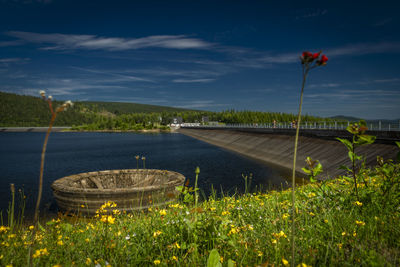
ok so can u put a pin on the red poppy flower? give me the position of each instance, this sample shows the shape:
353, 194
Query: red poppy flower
324, 59
316, 55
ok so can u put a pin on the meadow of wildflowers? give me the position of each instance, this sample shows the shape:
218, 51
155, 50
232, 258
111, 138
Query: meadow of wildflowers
333, 228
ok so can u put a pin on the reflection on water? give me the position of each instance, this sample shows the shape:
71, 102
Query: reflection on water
70, 153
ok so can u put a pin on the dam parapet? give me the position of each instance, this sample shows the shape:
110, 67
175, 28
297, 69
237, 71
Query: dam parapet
275, 147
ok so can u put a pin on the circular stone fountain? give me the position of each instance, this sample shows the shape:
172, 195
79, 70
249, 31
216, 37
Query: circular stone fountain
131, 189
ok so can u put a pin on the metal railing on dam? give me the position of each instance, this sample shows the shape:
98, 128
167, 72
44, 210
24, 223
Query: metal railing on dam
335, 125
330, 133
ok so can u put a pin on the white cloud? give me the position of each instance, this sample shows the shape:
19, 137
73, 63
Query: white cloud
357, 94
14, 60
57, 41
199, 104
192, 80
387, 80
364, 49
325, 85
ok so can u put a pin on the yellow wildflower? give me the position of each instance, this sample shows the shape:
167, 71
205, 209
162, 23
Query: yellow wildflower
1, 256
285, 262
87, 240
174, 258
354, 233
163, 212
279, 235
310, 195
82, 206
107, 219
9, 265
285, 216
40, 252
343, 233
325, 221
157, 233
340, 245
57, 265
60, 243
116, 212
360, 223
358, 203
303, 265
4, 229
221, 259
31, 227
274, 241
10, 236
311, 213
212, 209
156, 262
88, 261
225, 213
177, 245
259, 253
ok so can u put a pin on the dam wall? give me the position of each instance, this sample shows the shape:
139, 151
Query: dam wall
275, 147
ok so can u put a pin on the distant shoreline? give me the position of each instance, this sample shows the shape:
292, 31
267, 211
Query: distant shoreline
68, 129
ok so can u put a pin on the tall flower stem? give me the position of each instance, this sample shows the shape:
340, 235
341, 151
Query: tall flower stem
46, 139
305, 72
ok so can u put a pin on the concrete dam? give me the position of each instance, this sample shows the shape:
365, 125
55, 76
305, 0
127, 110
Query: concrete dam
275, 147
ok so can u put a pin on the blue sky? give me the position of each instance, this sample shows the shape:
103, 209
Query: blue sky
209, 55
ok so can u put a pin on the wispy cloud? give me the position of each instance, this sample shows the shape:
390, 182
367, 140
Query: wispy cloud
281, 58
356, 94
351, 49
365, 48
118, 77
325, 85
58, 41
387, 80
199, 104
14, 60
192, 80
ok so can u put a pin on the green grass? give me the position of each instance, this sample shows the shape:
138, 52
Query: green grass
332, 228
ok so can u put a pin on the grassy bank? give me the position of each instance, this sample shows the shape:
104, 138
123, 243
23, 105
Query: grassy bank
333, 227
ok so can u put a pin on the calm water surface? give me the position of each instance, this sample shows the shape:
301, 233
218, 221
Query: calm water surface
71, 153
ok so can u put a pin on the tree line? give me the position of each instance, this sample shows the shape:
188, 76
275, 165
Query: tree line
29, 111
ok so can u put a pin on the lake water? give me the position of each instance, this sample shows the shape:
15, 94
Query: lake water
71, 153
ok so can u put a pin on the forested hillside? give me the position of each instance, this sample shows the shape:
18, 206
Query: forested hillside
29, 111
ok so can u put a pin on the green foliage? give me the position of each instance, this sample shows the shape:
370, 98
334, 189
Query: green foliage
214, 259
359, 139
313, 169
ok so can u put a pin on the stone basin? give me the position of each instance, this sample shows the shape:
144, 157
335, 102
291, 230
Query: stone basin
130, 189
